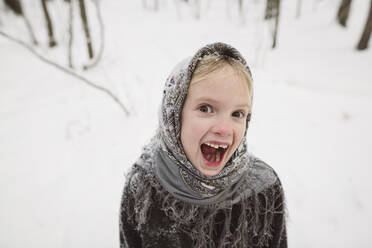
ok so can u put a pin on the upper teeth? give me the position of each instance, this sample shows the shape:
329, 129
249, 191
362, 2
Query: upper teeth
216, 146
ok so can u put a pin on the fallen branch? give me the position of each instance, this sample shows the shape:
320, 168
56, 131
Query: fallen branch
68, 71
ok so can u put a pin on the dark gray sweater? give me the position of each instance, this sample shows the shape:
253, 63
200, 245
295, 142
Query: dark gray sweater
257, 221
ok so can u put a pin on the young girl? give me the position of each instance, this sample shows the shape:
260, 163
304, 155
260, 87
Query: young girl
195, 184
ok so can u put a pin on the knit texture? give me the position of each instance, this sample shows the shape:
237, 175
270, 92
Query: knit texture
174, 95
151, 217
241, 206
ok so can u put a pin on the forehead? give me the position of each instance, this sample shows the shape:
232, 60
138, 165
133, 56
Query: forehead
224, 85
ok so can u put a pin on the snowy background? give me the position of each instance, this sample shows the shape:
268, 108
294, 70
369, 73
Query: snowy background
64, 146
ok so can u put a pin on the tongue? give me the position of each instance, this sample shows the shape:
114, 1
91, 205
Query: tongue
209, 153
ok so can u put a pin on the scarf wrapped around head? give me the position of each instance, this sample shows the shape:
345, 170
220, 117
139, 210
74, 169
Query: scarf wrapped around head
172, 168
164, 178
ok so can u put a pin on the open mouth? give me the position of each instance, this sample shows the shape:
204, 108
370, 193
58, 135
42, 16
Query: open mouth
213, 154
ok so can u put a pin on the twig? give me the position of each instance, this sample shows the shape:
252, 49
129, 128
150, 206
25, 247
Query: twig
68, 71
102, 30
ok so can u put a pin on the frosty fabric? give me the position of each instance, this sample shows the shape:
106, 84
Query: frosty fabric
168, 203
174, 95
152, 217
172, 180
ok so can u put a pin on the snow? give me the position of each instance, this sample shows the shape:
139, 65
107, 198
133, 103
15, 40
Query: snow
65, 147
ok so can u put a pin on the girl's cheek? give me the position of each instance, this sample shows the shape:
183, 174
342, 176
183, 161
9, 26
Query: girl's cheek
240, 133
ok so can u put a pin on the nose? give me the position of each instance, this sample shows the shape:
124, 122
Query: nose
222, 128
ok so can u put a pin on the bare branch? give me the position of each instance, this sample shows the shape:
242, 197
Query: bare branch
68, 71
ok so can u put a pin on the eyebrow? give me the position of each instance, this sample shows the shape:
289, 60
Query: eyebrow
242, 106
207, 99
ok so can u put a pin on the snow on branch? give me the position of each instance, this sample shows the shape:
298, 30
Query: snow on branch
68, 71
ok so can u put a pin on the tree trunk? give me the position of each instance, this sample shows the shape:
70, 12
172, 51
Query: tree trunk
102, 35
52, 41
71, 33
269, 9
241, 9
240, 3
196, 7
363, 43
298, 9
277, 14
14, 5
30, 30
84, 19
343, 12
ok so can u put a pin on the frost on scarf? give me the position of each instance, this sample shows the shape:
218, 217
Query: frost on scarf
153, 217
256, 221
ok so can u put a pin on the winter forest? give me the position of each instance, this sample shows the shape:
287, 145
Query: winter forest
81, 84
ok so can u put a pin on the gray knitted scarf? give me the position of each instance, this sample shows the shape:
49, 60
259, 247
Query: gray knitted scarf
186, 195
171, 166
174, 170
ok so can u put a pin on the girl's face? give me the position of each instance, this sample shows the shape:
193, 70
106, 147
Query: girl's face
214, 119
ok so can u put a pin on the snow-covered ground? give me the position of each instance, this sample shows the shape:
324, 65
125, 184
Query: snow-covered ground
64, 147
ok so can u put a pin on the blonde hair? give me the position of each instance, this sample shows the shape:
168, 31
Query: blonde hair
211, 63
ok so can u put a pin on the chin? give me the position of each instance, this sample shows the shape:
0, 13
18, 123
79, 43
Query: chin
210, 171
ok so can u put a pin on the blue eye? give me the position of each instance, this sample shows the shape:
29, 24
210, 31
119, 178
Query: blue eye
238, 114
205, 109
